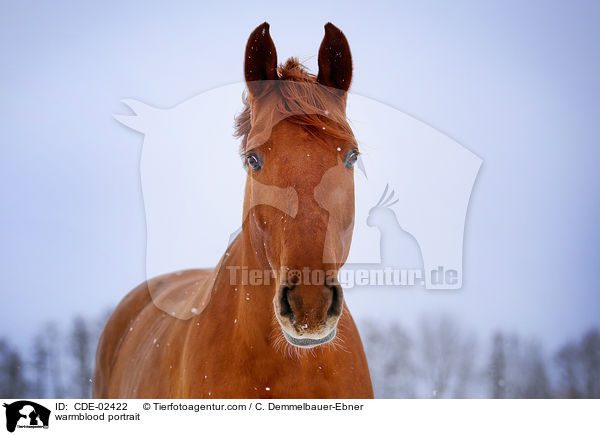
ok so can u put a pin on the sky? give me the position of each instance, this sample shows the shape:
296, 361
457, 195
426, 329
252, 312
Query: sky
516, 83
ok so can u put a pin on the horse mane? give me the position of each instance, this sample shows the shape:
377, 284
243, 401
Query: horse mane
303, 101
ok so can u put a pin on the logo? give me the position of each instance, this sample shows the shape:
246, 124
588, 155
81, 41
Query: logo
26, 414
410, 212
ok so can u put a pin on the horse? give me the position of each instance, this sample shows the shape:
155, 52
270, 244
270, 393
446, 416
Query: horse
270, 320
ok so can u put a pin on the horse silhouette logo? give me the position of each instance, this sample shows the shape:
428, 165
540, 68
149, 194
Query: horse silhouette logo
26, 414
193, 189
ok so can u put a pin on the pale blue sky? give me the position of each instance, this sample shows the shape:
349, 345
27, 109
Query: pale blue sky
515, 82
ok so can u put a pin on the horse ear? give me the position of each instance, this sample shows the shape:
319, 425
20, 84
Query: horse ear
260, 62
335, 60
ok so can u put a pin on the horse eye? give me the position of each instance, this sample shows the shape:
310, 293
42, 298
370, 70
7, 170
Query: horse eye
254, 161
351, 158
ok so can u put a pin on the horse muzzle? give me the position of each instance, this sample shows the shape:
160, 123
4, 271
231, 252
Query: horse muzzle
308, 314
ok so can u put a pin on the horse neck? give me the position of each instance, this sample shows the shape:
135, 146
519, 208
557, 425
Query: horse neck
248, 308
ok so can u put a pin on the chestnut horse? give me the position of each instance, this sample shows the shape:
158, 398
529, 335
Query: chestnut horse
282, 334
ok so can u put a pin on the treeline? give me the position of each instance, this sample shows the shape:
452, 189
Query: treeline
441, 359
56, 364
438, 358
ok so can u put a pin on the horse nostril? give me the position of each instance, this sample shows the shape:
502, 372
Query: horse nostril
285, 309
337, 301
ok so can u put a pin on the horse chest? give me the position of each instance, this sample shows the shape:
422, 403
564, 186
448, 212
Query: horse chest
261, 371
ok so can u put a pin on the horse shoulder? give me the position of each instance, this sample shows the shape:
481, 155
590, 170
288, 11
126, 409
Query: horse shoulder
120, 323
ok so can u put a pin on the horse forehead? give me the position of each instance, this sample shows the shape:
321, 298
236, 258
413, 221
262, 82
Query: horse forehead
287, 132
292, 143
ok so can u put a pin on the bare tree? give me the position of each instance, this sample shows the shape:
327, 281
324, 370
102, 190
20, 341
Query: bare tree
526, 373
465, 369
53, 338
446, 356
537, 385
571, 371
590, 361
13, 384
40, 366
96, 328
497, 369
389, 352
4, 379
374, 343
81, 353
399, 368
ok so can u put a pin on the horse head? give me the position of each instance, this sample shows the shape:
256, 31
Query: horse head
295, 138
